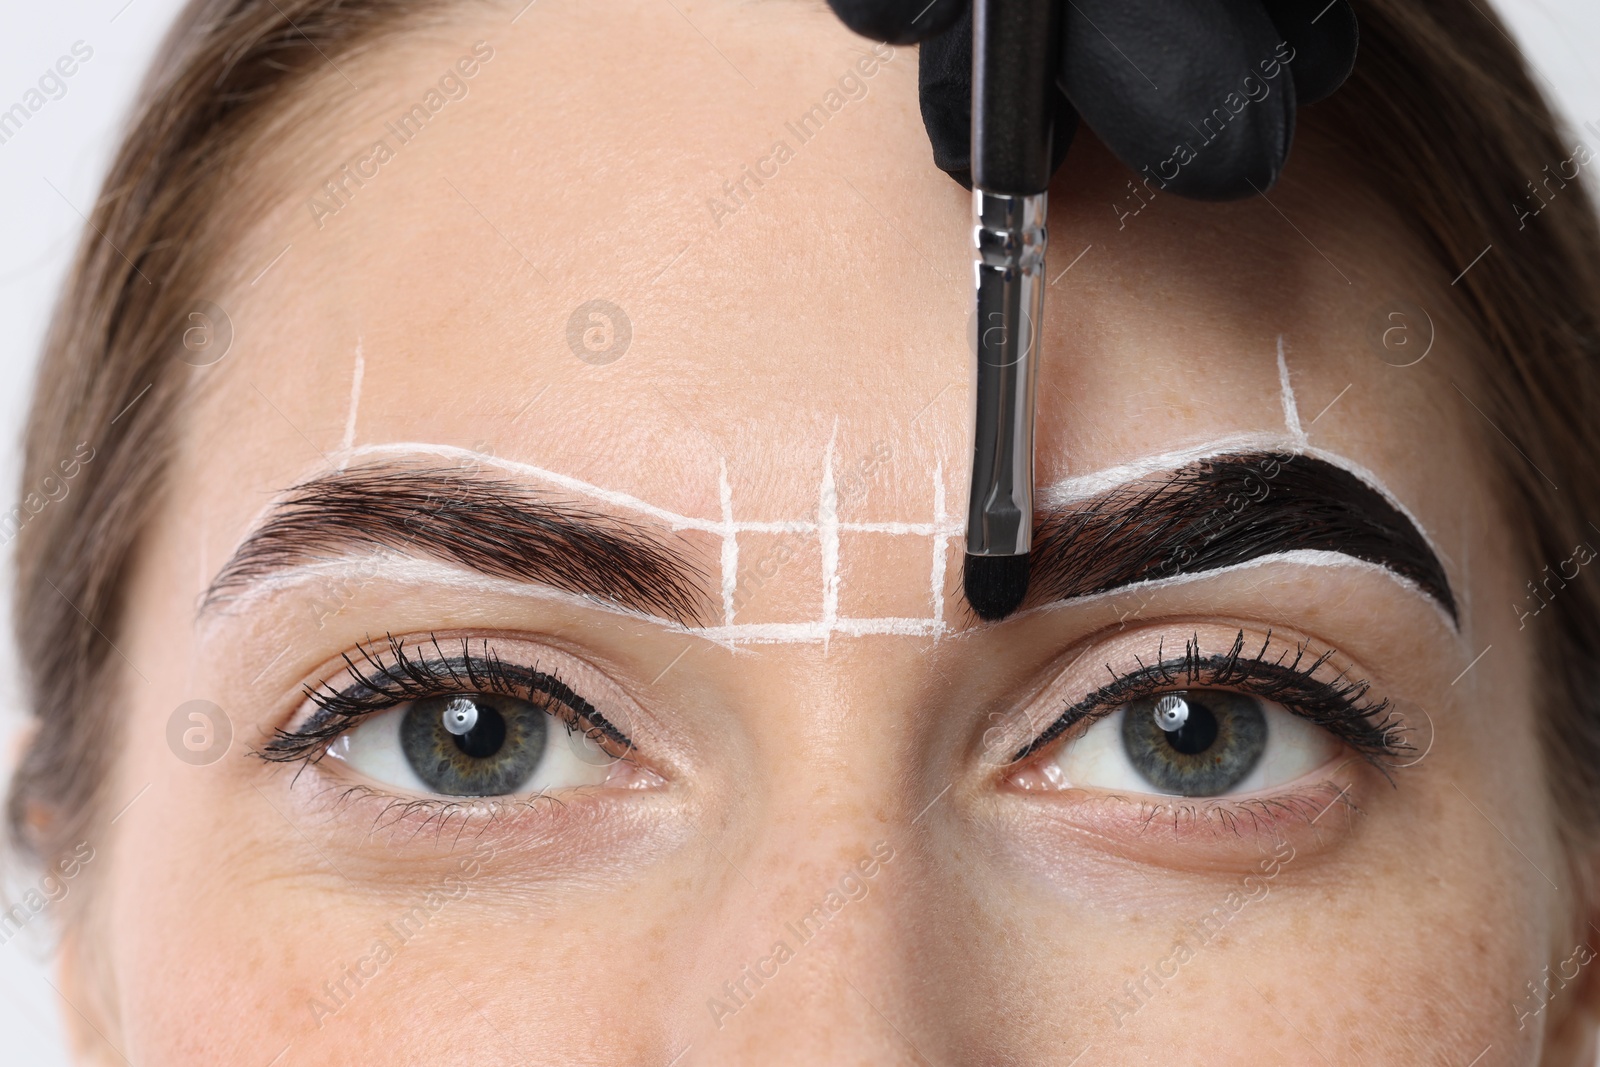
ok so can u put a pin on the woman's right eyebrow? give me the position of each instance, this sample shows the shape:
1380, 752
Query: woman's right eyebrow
494, 526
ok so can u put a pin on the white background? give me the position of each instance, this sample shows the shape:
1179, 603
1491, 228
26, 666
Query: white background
67, 145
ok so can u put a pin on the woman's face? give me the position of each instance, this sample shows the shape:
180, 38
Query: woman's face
620, 698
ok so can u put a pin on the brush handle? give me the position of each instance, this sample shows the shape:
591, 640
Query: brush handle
1008, 236
1015, 45
1015, 51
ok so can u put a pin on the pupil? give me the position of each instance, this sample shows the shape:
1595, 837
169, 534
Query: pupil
1198, 733
487, 735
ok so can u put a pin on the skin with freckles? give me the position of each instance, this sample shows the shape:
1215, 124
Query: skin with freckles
810, 849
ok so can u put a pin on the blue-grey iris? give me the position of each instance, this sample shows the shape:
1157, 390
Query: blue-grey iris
1198, 743
475, 745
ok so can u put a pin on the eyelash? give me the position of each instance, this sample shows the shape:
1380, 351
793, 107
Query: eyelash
1339, 704
377, 686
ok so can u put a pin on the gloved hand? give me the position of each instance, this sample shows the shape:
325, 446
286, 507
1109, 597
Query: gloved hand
1196, 96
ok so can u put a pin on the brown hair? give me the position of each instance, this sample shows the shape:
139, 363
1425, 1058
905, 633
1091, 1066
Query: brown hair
110, 378
1440, 112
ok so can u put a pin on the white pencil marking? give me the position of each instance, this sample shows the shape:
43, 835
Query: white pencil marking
1083, 486
914, 529
940, 546
355, 399
730, 543
1291, 410
1071, 490
577, 485
828, 538
399, 570
393, 567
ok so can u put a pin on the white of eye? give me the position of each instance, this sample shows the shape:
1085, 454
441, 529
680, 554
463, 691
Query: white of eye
1099, 758
372, 748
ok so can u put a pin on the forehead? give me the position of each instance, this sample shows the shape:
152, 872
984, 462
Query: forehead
695, 261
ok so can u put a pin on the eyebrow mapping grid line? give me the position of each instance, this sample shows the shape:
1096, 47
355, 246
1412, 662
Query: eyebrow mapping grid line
1294, 440
356, 373
1291, 405
1350, 501
827, 527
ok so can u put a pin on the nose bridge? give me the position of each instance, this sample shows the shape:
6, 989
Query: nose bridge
809, 965
805, 960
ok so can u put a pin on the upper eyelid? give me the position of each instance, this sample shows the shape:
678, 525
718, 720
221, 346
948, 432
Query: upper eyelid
452, 674
1163, 673
1099, 700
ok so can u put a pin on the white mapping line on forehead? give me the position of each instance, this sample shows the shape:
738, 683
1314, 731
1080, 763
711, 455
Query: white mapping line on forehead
730, 543
1083, 486
940, 528
430, 574
1305, 557
393, 569
356, 374
941, 547
1301, 557
1291, 407
671, 519
828, 537
1072, 490
826, 528
1293, 442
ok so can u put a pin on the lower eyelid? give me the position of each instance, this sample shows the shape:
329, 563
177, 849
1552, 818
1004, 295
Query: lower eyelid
1307, 805
1062, 832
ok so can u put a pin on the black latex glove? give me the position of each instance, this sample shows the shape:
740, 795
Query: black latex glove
1197, 96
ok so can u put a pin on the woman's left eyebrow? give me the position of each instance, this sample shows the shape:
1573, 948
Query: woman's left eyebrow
1222, 511
494, 526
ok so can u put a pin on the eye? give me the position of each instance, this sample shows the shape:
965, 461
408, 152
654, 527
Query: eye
473, 745
1209, 722
412, 718
1193, 743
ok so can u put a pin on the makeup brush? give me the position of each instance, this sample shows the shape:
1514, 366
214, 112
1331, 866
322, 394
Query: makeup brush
1014, 52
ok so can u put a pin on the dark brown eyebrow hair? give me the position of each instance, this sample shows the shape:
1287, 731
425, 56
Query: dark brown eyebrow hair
1221, 511
494, 526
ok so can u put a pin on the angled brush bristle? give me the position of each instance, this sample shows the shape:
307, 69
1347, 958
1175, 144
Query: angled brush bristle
995, 585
